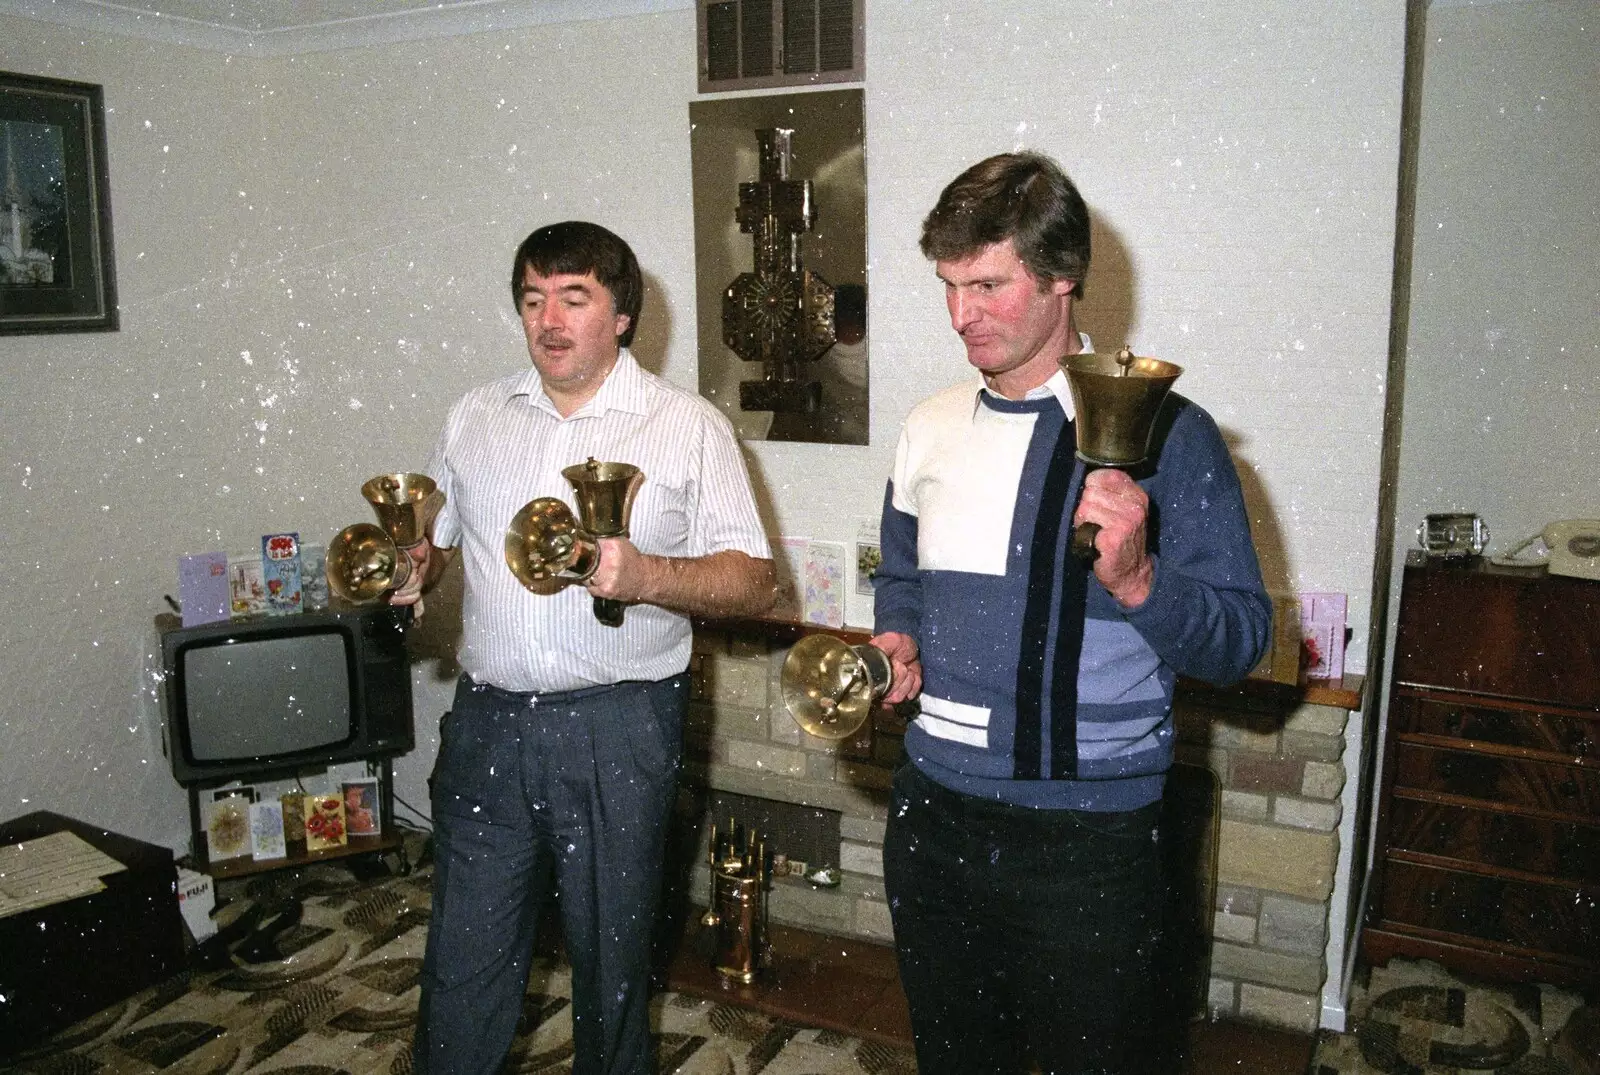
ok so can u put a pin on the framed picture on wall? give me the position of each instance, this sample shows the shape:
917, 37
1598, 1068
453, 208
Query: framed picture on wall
56, 269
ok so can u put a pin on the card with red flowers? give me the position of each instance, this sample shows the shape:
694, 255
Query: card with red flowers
325, 823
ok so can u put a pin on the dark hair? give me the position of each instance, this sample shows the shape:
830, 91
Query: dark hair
1024, 197
578, 247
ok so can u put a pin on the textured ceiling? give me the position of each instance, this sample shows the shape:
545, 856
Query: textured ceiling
285, 27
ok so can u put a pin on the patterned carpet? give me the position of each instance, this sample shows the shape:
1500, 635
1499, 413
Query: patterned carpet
1415, 1018
327, 984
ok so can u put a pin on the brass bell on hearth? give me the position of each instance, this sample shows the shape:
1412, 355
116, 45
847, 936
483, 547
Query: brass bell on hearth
830, 686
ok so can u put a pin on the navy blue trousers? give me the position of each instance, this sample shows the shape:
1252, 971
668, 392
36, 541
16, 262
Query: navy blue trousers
1022, 934
565, 795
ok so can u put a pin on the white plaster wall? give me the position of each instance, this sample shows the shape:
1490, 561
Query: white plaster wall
313, 256
1502, 387
1502, 366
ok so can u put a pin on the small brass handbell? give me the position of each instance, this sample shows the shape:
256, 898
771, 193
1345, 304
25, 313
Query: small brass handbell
405, 504
547, 550
364, 563
605, 493
829, 686
1116, 399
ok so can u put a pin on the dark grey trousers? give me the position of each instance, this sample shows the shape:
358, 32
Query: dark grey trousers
567, 795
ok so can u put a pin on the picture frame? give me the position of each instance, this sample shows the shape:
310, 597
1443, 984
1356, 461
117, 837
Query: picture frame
57, 271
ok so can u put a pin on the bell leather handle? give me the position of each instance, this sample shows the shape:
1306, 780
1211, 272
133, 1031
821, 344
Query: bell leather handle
1083, 536
608, 611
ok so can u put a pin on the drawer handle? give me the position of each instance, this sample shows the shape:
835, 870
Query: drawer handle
1452, 721
1569, 787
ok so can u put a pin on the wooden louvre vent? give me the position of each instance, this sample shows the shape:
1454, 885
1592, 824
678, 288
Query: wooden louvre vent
757, 44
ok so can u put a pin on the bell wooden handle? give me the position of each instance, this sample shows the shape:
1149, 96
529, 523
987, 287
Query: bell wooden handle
1083, 536
608, 611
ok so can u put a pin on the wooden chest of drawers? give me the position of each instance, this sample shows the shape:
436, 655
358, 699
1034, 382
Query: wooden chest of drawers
1488, 839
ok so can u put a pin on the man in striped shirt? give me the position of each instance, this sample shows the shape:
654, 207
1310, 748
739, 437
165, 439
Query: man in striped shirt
558, 762
1021, 856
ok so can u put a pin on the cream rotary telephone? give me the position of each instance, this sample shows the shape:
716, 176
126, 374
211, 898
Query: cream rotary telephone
1568, 547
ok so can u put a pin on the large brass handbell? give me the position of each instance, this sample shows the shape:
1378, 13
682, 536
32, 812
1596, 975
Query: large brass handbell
1116, 399
364, 563
547, 550
830, 686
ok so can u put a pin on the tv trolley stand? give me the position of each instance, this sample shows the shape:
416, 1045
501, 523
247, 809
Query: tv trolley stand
358, 848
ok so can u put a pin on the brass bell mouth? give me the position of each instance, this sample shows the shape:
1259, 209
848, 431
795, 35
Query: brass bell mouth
829, 686
547, 550
1116, 399
363, 563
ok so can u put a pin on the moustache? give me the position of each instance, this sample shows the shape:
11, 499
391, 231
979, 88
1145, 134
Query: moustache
550, 339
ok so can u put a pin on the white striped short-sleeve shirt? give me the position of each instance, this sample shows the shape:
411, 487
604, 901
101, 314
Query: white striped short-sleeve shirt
505, 444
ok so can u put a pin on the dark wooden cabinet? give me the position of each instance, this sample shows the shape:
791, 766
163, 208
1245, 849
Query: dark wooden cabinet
1487, 854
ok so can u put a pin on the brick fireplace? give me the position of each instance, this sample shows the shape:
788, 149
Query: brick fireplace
1271, 834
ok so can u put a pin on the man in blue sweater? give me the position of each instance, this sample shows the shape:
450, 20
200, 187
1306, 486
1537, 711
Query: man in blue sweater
1022, 855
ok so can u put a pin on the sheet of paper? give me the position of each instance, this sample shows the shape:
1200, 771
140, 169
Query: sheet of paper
51, 869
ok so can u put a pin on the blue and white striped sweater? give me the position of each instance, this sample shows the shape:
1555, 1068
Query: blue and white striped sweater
1038, 688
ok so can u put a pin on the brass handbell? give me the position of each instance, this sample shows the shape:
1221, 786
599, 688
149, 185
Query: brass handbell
405, 505
547, 550
830, 686
605, 493
364, 563
1116, 399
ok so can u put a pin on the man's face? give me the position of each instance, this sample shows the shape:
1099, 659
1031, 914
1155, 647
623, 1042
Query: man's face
572, 326
1008, 321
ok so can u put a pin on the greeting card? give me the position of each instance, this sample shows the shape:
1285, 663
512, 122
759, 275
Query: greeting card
247, 589
1322, 624
325, 824
203, 588
825, 574
361, 814
280, 571
790, 557
228, 824
294, 817
266, 831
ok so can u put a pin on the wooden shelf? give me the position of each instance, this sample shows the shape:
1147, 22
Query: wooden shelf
244, 865
1346, 693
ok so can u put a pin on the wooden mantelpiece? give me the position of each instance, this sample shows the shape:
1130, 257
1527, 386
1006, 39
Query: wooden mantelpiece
1346, 693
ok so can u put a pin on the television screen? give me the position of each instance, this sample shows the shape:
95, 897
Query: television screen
254, 698
275, 694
